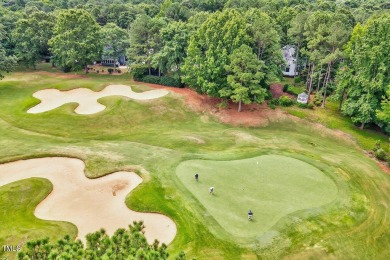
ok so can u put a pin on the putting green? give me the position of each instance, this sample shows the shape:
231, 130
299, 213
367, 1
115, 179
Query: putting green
272, 186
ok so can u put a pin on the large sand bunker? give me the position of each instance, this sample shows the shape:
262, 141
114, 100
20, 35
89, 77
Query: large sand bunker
88, 99
90, 204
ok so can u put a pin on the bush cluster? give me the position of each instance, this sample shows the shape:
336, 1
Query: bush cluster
380, 153
297, 80
139, 71
164, 80
285, 88
317, 100
285, 101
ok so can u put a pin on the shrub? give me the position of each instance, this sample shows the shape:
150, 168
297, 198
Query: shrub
303, 105
272, 106
150, 79
110, 70
377, 145
285, 101
297, 80
317, 100
268, 95
310, 106
139, 71
171, 81
285, 88
274, 102
119, 71
223, 104
380, 154
164, 80
97, 71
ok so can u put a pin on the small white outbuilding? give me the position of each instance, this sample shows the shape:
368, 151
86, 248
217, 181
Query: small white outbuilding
303, 98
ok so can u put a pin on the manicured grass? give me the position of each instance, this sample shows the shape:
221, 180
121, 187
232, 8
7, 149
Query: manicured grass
156, 136
272, 186
17, 221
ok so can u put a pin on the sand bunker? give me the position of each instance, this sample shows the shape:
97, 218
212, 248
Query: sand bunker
87, 99
90, 204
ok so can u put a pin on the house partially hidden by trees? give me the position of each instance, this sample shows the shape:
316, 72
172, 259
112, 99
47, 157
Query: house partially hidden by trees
290, 69
112, 60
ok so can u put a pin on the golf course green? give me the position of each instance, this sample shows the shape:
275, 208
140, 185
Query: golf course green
272, 186
314, 192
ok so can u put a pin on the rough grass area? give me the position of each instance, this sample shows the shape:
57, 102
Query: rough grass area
17, 221
155, 137
272, 186
332, 118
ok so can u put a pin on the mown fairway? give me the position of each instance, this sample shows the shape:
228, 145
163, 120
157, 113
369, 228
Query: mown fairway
272, 186
160, 135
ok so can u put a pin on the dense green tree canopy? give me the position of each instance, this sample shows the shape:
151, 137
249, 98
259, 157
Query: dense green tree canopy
7, 63
31, 37
145, 39
115, 40
76, 41
369, 64
244, 77
209, 49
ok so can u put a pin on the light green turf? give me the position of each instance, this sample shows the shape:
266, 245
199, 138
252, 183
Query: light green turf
272, 186
159, 135
17, 221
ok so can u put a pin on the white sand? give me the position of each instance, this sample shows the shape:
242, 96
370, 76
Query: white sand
90, 204
88, 99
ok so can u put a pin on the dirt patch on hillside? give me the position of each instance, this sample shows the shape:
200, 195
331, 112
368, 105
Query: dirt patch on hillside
277, 91
250, 116
384, 167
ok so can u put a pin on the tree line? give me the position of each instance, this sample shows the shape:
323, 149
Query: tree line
124, 244
229, 49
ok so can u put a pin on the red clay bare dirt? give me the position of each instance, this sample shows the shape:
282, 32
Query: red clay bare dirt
250, 116
277, 91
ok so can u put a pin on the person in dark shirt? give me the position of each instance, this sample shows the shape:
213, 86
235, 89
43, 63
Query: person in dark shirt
250, 215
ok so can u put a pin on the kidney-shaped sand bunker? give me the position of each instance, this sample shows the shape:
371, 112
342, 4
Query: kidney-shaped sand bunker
272, 186
90, 204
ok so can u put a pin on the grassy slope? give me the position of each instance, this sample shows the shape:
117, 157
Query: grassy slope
17, 221
331, 117
154, 135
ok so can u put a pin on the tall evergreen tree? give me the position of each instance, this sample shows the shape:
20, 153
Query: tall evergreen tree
369, 70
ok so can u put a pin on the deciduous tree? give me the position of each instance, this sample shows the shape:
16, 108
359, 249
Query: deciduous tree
31, 37
209, 49
76, 41
7, 62
115, 40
